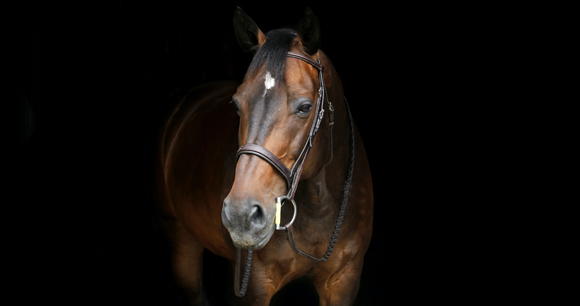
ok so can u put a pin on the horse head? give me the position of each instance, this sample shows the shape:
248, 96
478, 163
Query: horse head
277, 104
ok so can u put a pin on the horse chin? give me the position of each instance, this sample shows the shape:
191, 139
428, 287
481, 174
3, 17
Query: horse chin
253, 244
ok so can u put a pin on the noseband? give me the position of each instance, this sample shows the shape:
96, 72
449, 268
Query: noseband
292, 176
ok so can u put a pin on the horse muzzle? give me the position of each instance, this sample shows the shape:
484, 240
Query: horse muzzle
247, 221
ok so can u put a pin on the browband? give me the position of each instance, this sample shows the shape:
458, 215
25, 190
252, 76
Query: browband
307, 59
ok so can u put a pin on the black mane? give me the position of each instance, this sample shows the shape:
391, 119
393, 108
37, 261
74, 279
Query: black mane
273, 53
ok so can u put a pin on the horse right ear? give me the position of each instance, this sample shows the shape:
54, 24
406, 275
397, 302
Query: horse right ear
247, 32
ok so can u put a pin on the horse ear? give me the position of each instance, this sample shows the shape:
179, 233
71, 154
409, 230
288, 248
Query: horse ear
308, 31
247, 32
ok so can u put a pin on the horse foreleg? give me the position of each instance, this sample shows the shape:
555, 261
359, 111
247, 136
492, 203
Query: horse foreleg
340, 287
186, 261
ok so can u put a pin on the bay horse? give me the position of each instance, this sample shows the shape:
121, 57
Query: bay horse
235, 161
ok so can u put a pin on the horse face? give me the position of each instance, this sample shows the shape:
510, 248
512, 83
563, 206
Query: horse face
277, 117
276, 104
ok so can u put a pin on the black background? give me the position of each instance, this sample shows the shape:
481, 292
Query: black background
94, 78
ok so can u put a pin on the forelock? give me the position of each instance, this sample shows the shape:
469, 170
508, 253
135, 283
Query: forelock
272, 54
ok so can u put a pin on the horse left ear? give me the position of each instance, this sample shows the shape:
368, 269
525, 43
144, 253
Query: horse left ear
308, 31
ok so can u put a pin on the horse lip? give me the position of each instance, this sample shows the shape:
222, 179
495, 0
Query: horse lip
266, 239
262, 241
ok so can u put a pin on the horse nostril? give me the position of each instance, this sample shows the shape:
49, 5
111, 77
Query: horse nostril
225, 214
257, 216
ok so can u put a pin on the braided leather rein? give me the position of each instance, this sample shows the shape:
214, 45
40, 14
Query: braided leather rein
292, 177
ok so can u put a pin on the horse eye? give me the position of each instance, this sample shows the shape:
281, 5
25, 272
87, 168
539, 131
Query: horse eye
305, 108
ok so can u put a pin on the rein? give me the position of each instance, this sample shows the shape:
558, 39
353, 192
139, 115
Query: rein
292, 177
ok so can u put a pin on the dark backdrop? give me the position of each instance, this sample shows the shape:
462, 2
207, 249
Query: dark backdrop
93, 79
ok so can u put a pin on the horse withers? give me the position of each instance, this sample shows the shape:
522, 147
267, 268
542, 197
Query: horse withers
238, 161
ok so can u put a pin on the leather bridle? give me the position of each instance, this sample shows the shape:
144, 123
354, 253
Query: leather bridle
292, 176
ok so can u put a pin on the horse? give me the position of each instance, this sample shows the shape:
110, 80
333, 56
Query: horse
237, 160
